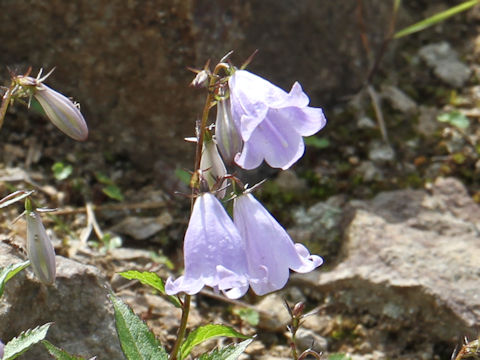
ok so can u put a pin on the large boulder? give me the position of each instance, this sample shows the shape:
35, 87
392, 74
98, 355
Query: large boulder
408, 270
125, 62
77, 304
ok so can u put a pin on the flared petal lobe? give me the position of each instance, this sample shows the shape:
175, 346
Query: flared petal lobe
270, 251
271, 121
62, 112
40, 249
214, 252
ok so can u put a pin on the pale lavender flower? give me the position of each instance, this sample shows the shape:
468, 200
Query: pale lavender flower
214, 252
40, 249
212, 167
228, 139
62, 112
271, 121
270, 251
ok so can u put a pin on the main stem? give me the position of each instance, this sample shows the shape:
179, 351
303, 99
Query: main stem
194, 184
183, 327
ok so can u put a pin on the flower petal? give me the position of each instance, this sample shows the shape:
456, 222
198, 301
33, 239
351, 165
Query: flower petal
214, 252
270, 250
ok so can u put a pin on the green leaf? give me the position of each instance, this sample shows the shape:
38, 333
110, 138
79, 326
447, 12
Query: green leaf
24, 341
113, 192
58, 353
455, 118
183, 175
231, 352
338, 357
150, 279
136, 339
432, 20
14, 197
204, 333
61, 171
10, 271
249, 315
317, 142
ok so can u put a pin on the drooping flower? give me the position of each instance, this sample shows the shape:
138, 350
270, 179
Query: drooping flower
60, 110
212, 167
40, 249
271, 121
214, 252
228, 139
270, 251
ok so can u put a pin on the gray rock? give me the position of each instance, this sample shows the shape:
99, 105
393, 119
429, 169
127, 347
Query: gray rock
369, 171
399, 100
307, 339
278, 318
411, 262
445, 64
380, 153
427, 121
141, 228
365, 122
77, 304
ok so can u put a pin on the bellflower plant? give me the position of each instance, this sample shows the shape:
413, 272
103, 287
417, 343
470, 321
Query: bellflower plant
214, 252
271, 121
270, 251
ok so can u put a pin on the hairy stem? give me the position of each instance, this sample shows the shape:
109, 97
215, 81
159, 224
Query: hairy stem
5, 101
183, 327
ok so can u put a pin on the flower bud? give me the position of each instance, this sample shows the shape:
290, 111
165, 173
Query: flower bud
40, 249
212, 167
227, 136
62, 112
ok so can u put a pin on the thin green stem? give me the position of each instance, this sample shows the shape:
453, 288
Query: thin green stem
183, 327
203, 125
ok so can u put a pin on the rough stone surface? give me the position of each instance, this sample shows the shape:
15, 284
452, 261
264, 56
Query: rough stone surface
77, 304
125, 62
445, 63
410, 260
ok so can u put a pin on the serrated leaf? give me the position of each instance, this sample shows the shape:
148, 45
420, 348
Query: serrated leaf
14, 197
432, 20
58, 353
18, 345
136, 339
231, 352
10, 271
150, 279
204, 333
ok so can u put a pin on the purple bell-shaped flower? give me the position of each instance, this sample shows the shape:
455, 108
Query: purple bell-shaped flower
270, 251
271, 121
